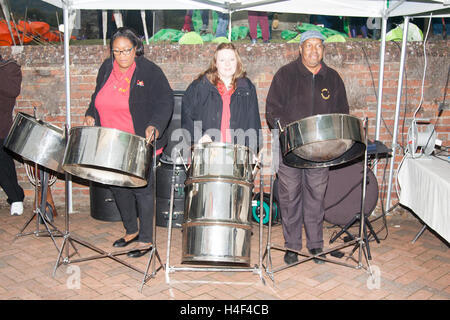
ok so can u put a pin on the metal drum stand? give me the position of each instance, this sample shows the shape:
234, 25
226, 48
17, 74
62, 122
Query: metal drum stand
68, 237
359, 243
40, 212
256, 269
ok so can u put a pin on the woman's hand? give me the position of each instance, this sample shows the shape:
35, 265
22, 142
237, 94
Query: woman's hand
89, 121
149, 136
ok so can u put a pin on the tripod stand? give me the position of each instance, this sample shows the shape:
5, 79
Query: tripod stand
41, 213
359, 243
341, 207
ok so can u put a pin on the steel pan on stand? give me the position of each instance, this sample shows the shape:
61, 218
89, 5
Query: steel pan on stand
317, 142
43, 144
114, 157
322, 141
217, 226
107, 156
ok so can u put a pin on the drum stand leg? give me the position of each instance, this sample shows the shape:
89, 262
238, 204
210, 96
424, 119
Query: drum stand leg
40, 211
69, 238
360, 243
257, 269
269, 233
154, 252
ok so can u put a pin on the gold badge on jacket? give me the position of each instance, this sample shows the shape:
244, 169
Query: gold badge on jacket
325, 94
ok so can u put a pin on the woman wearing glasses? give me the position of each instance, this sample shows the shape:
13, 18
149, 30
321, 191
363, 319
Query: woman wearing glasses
133, 95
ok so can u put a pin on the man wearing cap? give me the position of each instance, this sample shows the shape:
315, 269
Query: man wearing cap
304, 87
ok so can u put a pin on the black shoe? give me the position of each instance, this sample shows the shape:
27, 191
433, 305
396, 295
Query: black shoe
290, 257
316, 251
137, 253
123, 243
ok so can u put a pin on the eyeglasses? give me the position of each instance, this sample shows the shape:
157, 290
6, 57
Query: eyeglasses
125, 52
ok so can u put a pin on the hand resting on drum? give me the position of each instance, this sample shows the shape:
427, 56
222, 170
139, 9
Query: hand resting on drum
89, 121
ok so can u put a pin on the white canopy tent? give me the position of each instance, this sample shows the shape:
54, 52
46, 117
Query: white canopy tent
383, 9
7, 16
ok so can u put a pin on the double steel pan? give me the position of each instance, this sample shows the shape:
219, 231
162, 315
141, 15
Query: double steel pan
103, 155
322, 141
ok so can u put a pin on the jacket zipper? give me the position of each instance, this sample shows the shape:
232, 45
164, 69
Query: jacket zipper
312, 92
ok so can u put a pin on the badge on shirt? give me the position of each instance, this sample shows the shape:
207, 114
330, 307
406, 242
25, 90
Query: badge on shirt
140, 83
325, 94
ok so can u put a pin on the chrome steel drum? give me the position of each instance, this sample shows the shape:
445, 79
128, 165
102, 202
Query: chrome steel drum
217, 225
322, 141
218, 159
37, 141
107, 156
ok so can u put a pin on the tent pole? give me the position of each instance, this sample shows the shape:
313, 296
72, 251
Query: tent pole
67, 78
229, 26
154, 17
380, 81
7, 17
144, 25
397, 110
104, 25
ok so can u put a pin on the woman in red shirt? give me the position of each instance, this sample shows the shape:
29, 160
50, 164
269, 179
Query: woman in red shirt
132, 95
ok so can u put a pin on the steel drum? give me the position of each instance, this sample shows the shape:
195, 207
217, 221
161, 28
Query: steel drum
37, 141
107, 156
217, 159
322, 141
217, 211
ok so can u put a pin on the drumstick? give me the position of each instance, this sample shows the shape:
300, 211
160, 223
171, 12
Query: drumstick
258, 161
182, 160
148, 139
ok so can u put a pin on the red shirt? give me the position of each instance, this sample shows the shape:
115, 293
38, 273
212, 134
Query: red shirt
226, 113
112, 101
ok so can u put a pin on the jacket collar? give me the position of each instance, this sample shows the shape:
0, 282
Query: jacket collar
5, 62
305, 72
241, 84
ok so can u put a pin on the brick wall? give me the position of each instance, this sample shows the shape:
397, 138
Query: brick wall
43, 85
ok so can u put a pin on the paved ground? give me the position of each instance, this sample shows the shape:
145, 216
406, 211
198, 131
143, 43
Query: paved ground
401, 270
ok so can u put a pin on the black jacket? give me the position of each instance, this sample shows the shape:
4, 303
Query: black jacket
295, 93
11, 80
202, 102
151, 98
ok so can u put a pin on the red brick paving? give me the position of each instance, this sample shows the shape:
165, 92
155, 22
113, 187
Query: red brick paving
419, 271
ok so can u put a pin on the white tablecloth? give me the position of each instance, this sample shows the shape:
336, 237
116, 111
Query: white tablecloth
425, 189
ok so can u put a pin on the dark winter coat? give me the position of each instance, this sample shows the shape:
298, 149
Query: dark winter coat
202, 102
296, 93
151, 98
11, 80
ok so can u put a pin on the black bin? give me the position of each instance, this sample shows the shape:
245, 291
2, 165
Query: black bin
103, 206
